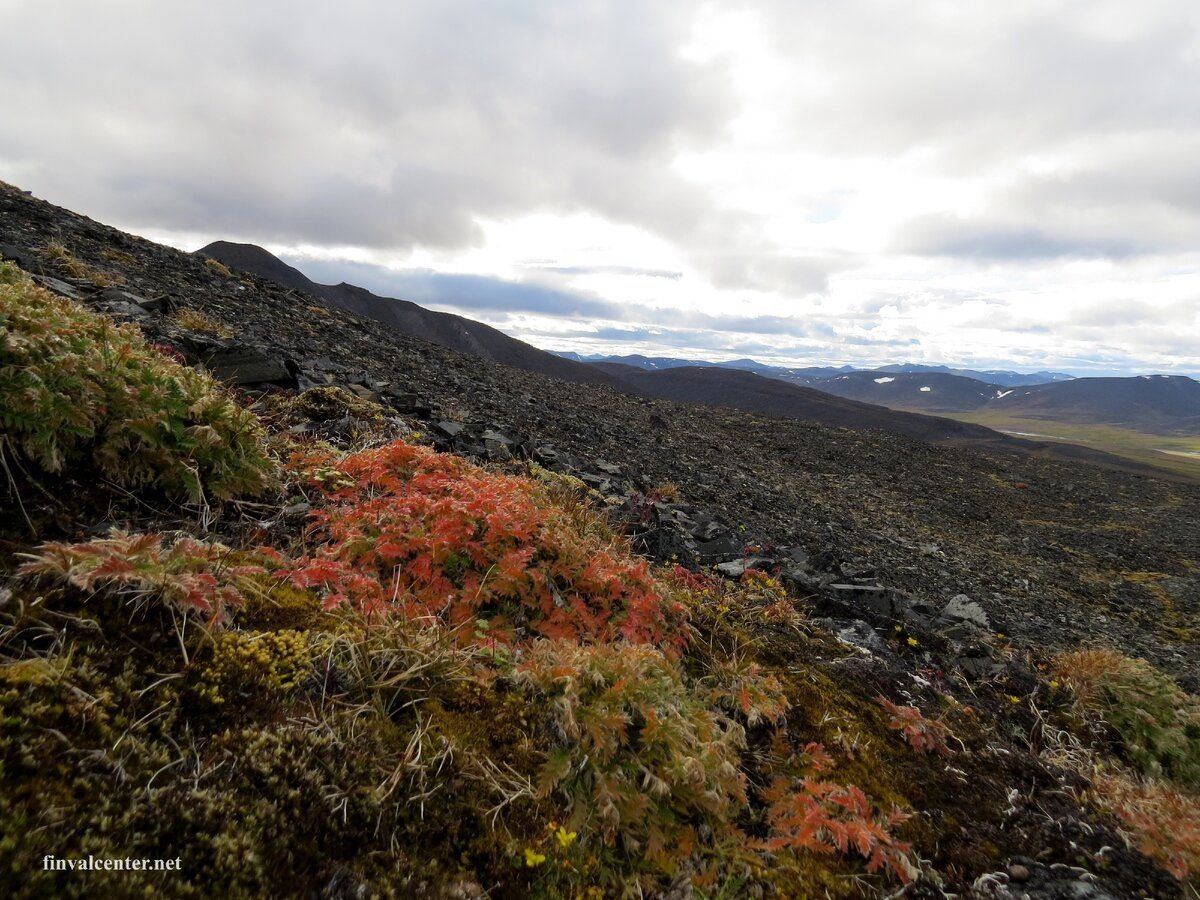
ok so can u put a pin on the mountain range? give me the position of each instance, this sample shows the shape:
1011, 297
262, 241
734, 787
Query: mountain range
813, 374
843, 396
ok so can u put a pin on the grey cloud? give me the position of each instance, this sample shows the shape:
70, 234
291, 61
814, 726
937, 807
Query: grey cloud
468, 293
999, 241
378, 125
975, 83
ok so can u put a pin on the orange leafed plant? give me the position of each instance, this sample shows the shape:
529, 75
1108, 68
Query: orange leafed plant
192, 575
925, 735
823, 817
428, 534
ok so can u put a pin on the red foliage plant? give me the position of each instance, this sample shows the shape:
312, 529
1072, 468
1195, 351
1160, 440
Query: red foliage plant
192, 575
823, 817
925, 735
427, 534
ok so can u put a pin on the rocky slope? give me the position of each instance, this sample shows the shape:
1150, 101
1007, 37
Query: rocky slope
1060, 553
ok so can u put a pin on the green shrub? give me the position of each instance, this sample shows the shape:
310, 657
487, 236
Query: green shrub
77, 389
1157, 722
639, 759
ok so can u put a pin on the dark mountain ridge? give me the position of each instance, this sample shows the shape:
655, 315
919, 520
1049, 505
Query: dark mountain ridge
1155, 404
456, 332
1160, 404
813, 375
926, 391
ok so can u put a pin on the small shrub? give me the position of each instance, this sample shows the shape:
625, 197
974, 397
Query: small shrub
823, 817
427, 534
741, 688
191, 575
922, 734
76, 388
219, 267
1157, 722
1164, 820
195, 320
639, 758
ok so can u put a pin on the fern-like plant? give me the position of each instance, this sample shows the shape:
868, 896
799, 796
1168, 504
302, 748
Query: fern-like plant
819, 816
404, 529
193, 576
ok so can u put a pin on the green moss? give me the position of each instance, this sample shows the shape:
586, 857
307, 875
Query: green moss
244, 663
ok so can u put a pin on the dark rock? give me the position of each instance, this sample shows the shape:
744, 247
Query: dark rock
58, 286
237, 363
162, 304
22, 258
449, 429
719, 548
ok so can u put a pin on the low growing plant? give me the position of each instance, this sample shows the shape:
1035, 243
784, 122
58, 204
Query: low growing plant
826, 818
77, 389
922, 734
405, 529
639, 759
190, 575
1157, 722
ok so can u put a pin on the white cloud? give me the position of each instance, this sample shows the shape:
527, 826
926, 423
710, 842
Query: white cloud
946, 182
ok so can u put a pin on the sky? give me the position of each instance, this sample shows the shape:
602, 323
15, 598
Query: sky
992, 185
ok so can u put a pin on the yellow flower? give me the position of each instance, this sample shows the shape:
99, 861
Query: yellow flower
912, 642
565, 838
1013, 699
533, 859
1054, 683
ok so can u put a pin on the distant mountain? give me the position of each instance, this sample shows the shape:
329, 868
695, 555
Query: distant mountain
746, 391
935, 392
1156, 404
1159, 404
739, 389
458, 333
812, 375
1000, 377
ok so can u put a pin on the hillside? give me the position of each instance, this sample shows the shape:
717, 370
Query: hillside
749, 392
935, 392
461, 334
379, 618
1158, 404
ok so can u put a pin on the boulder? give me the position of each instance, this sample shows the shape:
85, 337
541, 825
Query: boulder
962, 608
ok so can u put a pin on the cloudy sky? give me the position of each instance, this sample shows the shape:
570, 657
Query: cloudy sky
955, 181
